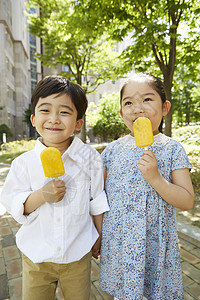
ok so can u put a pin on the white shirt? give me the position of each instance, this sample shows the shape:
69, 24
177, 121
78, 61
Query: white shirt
60, 232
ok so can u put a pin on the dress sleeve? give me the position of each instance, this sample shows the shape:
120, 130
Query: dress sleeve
98, 203
104, 158
179, 158
107, 153
16, 190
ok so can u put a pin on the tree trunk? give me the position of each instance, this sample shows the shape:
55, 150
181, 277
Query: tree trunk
168, 118
168, 123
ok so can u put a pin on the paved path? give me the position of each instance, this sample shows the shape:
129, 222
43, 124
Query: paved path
10, 260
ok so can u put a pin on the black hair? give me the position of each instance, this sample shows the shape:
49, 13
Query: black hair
60, 85
153, 81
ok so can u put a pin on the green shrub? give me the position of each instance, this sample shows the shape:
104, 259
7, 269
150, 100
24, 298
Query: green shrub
18, 146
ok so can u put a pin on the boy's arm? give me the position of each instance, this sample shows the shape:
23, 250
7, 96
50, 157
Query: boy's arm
51, 192
98, 221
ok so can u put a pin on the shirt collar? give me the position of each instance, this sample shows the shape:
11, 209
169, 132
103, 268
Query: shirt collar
75, 151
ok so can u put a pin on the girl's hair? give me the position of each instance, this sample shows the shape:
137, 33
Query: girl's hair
60, 85
153, 81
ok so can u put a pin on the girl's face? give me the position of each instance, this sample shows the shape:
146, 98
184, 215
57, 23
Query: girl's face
139, 99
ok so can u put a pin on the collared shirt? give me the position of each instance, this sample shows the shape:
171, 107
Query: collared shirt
60, 232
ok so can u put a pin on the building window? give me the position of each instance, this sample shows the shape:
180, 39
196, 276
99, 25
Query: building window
14, 96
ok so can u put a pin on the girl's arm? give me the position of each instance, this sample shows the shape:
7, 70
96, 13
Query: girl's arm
179, 193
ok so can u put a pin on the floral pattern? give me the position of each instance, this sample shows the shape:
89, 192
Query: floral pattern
139, 253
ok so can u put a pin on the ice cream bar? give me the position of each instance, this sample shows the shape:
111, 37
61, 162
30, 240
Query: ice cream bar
52, 162
143, 132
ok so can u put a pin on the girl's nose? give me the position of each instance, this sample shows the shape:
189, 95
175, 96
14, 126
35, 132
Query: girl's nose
138, 107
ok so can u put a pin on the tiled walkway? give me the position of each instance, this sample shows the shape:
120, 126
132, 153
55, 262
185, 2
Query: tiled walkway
10, 261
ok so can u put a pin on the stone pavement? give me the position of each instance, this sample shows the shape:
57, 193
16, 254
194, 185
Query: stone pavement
11, 269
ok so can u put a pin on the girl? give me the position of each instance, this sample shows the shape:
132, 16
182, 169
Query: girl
139, 253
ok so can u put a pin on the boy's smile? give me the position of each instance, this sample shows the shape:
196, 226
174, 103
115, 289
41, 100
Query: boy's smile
55, 120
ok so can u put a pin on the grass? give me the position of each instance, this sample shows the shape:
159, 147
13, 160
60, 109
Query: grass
188, 136
11, 150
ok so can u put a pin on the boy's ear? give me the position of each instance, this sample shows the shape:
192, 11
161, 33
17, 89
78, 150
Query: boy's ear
166, 107
32, 118
79, 124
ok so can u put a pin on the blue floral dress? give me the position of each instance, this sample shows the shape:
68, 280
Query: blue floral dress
139, 252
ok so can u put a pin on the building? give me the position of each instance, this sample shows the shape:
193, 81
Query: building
18, 68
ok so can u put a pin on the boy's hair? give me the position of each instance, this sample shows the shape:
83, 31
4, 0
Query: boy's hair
153, 81
60, 85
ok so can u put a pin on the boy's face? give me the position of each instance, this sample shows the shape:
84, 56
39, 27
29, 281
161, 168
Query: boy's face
55, 120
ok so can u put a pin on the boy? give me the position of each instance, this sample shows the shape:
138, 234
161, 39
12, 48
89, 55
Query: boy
57, 231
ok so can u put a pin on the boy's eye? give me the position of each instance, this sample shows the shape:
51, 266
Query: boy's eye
64, 113
147, 99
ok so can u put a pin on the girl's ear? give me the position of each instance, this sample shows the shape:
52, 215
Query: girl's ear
32, 118
166, 107
79, 124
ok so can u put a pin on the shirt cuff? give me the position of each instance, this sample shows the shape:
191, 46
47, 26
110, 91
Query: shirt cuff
18, 210
99, 204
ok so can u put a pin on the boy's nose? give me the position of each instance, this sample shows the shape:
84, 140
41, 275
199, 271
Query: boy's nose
54, 118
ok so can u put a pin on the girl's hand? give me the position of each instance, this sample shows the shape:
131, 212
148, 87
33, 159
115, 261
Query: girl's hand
148, 165
54, 191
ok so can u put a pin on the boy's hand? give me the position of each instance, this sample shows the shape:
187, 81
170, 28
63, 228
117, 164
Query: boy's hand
54, 191
148, 165
96, 248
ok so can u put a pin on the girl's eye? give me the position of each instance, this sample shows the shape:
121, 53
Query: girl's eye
147, 99
128, 103
44, 110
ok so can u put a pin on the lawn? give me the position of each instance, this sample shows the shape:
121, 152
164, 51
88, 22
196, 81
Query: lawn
188, 136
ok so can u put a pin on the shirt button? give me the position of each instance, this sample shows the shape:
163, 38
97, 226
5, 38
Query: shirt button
58, 219
58, 249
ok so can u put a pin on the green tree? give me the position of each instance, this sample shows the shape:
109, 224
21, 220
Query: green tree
27, 120
164, 34
27, 116
71, 39
185, 95
105, 119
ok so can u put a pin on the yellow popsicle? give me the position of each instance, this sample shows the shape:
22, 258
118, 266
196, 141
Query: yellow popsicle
52, 162
143, 132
